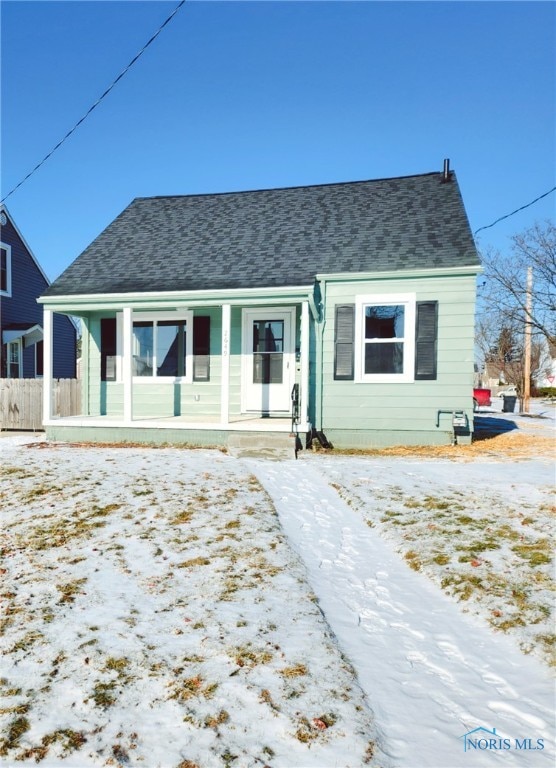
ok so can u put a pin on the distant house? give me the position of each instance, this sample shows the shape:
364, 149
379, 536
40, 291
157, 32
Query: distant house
548, 376
22, 281
348, 307
493, 375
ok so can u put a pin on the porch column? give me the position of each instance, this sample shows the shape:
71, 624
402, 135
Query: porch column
47, 364
304, 351
127, 363
85, 372
225, 381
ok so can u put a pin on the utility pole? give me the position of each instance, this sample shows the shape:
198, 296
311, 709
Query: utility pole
527, 350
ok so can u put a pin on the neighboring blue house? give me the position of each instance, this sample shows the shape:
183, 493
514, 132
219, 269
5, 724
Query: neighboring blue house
21, 317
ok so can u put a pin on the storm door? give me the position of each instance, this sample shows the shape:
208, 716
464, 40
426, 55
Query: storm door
268, 360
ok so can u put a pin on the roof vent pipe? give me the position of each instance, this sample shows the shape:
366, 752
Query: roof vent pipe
446, 171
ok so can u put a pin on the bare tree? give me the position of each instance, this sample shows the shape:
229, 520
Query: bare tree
503, 315
503, 352
504, 290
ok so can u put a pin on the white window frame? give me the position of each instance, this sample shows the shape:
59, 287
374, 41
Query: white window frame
8, 249
409, 301
154, 317
17, 344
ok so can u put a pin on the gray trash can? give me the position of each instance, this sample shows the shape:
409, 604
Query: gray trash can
508, 403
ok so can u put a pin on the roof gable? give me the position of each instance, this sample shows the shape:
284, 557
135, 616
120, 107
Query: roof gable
276, 237
5, 237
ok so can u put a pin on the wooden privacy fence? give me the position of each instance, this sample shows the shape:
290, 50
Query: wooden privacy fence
21, 401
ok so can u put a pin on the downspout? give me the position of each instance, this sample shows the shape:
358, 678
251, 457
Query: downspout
315, 315
313, 307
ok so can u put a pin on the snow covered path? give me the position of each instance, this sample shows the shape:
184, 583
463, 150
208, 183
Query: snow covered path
430, 672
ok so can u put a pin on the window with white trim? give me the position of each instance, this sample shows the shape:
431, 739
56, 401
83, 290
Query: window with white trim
14, 359
159, 348
162, 347
5, 269
166, 346
385, 338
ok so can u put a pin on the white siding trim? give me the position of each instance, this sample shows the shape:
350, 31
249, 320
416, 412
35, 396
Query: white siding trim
225, 380
8, 249
25, 244
47, 364
127, 363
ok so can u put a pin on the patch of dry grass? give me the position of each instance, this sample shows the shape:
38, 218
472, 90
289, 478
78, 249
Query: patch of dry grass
507, 446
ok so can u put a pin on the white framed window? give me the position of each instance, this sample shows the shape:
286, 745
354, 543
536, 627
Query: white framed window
5, 270
162, 346
14, 359
385, 338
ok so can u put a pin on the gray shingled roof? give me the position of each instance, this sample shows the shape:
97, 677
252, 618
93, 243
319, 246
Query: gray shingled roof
275, 237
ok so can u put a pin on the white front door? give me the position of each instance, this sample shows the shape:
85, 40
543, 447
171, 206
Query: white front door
268, 365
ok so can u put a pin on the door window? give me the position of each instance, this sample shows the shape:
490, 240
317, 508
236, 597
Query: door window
268, 351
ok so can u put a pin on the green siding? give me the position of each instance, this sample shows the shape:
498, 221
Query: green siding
111, 398
208, 438
95, 403
357, 414
378, 438
181, 437
152, 399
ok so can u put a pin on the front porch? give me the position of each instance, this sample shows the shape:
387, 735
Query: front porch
178, 371
243, 436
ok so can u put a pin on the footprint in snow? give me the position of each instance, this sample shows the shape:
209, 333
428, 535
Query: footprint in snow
406, 628
416, 657
502, 707
450, 650
503, 688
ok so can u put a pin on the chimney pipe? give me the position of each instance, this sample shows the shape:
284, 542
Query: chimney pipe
446, 171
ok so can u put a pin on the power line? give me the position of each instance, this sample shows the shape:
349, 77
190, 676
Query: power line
517, 210
97, 102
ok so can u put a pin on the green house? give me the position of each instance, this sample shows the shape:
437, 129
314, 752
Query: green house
344, 311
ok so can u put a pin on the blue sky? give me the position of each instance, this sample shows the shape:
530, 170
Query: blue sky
248, 95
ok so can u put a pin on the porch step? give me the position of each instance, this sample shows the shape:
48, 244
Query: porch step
265, 445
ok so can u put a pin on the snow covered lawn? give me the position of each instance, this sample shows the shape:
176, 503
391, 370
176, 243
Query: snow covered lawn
173, 608
155, 615
433, 666
483, 532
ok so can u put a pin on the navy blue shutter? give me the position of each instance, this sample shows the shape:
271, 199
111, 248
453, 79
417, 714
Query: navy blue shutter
201, 348
344, 342
426, 335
